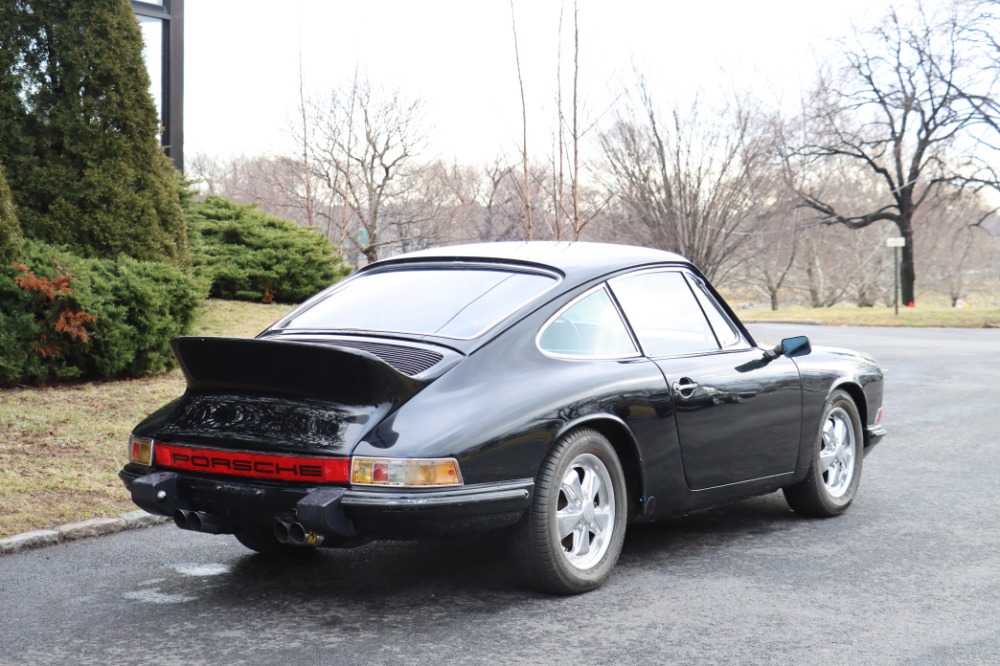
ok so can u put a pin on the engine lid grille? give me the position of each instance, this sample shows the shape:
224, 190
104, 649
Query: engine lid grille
407, 360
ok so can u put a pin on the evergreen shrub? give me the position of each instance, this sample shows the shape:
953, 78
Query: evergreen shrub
249, 255
66, 317
10, 229
80, 135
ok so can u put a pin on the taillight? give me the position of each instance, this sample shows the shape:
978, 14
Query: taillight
140, 450
400, 472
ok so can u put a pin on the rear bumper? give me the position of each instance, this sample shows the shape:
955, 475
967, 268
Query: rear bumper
334, 512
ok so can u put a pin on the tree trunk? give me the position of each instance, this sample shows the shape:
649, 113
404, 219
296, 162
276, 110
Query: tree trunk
907, 272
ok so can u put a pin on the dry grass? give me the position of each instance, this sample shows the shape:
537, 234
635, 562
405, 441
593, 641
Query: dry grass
848, 315
61, 447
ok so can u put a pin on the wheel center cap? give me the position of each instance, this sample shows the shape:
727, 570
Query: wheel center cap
588, 513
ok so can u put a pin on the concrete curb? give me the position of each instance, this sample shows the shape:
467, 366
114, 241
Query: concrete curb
81, 530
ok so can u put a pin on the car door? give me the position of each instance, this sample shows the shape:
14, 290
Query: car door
738, 418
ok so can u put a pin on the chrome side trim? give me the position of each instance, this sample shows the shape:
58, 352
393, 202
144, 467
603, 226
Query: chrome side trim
480, 493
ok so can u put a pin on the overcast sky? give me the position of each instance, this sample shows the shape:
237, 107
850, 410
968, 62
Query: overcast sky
457, 56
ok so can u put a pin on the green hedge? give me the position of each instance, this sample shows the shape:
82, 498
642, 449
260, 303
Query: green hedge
80, 134
249, 255
10, 229
65, 317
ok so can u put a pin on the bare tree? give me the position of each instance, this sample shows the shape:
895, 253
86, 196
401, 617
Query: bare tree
273, 183
306, 172
893, 114
362, 146
771, 254
558, 174
575, 131
525, 182
981, 91
835, 264
579, 208
694, 182
959, 253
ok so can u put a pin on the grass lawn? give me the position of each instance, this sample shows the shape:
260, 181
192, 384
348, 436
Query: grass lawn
849, 315
61, 447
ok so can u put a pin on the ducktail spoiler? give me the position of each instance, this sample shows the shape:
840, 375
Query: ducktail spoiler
295, 369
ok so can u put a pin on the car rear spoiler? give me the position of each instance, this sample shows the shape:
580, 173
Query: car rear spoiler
300, 369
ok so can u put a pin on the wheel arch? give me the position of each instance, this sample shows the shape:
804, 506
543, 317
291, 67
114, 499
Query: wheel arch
626, 448
860, 401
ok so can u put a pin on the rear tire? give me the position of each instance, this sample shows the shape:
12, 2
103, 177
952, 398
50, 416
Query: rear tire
570, 538
835, 472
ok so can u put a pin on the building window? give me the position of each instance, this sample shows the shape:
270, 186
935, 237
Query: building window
152, 38
162, 24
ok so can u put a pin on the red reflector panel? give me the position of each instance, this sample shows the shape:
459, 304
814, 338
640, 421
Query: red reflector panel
253, 465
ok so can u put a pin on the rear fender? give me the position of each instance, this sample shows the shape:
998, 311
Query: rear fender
623, 441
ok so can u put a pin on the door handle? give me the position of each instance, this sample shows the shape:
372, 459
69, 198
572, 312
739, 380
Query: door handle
685, 387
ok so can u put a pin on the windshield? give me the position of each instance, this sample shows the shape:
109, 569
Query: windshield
449, 302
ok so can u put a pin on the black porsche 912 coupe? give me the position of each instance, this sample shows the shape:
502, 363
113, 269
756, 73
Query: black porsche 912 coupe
557, 391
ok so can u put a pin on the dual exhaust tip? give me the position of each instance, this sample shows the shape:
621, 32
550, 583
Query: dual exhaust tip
199, 521
295, 534
292, 533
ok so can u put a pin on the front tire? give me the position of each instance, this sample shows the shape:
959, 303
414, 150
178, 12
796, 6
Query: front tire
835, 472
570, 538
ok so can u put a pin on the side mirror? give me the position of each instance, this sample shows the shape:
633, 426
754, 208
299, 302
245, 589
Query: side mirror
792, 347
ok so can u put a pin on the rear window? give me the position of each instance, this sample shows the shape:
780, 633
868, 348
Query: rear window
449, 302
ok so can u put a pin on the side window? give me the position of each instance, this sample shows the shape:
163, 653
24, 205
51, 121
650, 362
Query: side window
589, 327
664, 313
724, 330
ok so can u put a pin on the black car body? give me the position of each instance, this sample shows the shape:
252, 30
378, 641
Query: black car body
559, 389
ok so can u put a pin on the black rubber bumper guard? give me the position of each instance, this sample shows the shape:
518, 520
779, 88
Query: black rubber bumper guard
333, 512
320, 511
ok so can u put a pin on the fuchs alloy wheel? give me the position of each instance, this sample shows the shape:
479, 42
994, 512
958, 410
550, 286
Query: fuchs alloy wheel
569, 540
835, 472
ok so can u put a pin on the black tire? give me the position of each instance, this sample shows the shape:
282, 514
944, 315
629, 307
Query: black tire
262, 540
582, 558
835, 470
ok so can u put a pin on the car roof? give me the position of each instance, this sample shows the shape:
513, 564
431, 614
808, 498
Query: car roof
577, 258
578, 263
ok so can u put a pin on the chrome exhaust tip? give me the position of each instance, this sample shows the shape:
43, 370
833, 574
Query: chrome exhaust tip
282, 530
298, 535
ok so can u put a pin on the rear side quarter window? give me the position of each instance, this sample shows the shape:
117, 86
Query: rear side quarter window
590, 327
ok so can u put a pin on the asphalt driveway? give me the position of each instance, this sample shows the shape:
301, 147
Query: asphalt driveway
908, 576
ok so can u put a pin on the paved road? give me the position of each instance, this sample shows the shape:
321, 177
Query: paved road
911, 575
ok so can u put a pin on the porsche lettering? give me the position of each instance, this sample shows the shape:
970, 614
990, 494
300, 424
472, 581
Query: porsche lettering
212, 463
261, 466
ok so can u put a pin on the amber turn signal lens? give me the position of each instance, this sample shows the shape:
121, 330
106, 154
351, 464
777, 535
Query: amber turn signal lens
399, 472
140, 450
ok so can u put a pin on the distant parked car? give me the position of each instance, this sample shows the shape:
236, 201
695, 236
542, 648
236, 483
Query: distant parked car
555, 390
